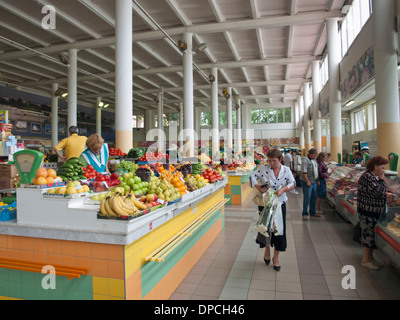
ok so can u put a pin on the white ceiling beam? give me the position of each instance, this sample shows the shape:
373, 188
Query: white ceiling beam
265, 23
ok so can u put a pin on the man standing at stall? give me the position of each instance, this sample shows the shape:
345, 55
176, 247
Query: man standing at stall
73, 146
308, 179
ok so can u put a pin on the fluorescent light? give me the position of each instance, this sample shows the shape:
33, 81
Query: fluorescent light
349, 103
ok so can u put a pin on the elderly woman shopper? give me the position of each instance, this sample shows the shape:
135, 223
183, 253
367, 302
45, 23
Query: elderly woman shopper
280, 179
96, 153
371, 204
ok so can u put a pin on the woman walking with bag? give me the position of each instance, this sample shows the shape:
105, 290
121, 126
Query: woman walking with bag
280, 179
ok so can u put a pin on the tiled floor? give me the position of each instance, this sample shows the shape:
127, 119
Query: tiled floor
233, 266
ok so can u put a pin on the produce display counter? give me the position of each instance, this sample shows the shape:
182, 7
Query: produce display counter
143, 258
238, 187
342, 187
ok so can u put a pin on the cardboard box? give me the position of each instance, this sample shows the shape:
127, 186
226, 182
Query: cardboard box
8, 170
6, 183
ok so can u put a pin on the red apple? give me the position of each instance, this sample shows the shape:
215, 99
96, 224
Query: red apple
143, 198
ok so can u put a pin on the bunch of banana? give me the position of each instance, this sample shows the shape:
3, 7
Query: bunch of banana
121, 205
117, 205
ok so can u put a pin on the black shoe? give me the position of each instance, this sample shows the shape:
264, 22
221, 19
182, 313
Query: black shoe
276, 268
267, 262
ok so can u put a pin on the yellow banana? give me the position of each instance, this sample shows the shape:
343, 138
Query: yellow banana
126, 207
117, 206
128, 202
138, 204
102, 207
108, 208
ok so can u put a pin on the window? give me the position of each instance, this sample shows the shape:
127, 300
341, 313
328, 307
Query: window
352, 24
271, 115
372, 123
206, 118
359, 120
171, 117
138, 121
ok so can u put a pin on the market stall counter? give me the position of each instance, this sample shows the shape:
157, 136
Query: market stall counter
142, 258
238, 188
342, 188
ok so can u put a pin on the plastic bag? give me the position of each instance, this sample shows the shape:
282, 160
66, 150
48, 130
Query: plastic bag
265, 223
278, 221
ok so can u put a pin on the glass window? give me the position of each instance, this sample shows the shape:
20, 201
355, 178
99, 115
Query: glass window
359, 120
138, 121
288, 115
206, 118
352, 24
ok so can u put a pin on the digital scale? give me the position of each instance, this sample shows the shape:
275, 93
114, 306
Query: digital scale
27, 162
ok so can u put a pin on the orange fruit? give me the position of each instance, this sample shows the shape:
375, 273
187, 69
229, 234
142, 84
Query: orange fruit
50, 180
41, 172
51, 173
58, 178
34, 180
40, 180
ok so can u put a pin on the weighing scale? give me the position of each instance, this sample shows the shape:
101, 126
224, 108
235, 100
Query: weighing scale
27, 162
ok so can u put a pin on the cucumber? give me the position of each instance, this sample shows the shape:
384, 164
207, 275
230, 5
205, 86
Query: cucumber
67, 166
63, 172
81, 177
72, 160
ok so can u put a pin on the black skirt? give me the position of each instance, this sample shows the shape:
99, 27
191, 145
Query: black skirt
279, 242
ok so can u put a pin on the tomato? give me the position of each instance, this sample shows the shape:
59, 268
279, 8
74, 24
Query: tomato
208, 170
90, 167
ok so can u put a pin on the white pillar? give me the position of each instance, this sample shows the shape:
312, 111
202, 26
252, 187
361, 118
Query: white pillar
180, 124
160, 110
307, 106
123, 75
386, 78
214, 111
54, 115
98, 116
188, 118
316, 84
72, 87
335, 109
229, 118
239, 127
301, 125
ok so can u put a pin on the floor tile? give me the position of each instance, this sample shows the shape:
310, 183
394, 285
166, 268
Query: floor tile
233, 267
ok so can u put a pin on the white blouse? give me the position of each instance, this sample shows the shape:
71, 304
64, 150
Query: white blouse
264, 174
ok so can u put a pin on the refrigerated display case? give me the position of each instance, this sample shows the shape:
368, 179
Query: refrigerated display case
343, 187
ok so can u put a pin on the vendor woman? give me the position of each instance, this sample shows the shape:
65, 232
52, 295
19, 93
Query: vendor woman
96, 153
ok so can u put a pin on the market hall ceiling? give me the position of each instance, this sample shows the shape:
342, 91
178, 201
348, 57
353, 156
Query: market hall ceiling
262, 48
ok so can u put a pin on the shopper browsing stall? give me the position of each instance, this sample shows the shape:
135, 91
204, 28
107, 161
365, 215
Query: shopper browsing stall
96, 153
73, 146
371, 204
322, 176
309, 176
278, 177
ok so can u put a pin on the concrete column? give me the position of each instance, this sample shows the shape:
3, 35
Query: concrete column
335, 109
160, 110
123, 75
188, 106
307, 106
229, 119
239, 127
214, 112
301, 125
54, 115
72, 87
180, 124
98, 116
386, 78
316, 84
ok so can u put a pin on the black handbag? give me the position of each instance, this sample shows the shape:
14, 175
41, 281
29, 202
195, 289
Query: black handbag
357, 233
